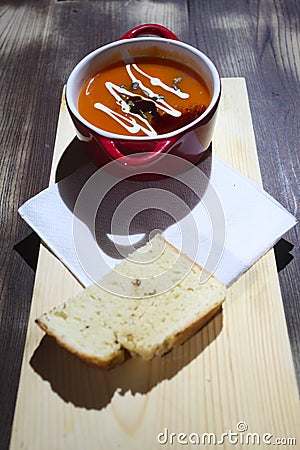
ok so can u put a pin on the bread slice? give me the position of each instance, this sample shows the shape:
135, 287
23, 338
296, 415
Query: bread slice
151, 302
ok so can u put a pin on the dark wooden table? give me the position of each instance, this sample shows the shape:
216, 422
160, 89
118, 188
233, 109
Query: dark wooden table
41, 41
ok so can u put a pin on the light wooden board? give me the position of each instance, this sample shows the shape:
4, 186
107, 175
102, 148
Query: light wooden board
237, 369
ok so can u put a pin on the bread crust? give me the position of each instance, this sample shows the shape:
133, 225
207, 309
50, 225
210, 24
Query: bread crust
194, 263
190, 330
113, 360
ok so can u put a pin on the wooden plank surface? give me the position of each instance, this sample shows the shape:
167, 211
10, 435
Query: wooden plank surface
237, 369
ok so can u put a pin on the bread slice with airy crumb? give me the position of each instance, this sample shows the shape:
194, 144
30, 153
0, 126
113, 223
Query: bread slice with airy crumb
149, 303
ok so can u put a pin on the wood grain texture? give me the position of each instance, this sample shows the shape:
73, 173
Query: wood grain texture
238, 367
40, 42
259, 40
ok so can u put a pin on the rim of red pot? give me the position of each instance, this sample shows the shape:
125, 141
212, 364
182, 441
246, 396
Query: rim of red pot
214, 100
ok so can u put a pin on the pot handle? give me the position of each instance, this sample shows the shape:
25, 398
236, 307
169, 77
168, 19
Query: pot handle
132, 161
164, 145
150, 28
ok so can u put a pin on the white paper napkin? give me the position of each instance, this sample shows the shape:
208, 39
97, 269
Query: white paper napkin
225, 224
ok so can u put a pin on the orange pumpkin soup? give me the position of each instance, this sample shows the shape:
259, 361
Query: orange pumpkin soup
148, 97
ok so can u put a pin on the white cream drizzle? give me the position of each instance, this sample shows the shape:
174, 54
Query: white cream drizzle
160, 103
134, 127
157, 82
130, 123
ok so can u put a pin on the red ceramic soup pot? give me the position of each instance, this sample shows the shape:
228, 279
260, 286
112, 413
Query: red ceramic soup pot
103, 146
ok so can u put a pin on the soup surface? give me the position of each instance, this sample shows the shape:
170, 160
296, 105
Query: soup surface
148, 97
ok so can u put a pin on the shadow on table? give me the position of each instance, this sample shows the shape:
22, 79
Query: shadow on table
134, 202
93, 388
73, 158
283, 256
28, 249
